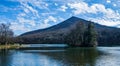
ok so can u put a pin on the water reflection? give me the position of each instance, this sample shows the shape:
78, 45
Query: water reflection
4, 58
68, 57
76, 56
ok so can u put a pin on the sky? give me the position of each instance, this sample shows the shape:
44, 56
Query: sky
28, 15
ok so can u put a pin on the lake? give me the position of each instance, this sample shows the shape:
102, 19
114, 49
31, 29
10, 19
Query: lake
99, 56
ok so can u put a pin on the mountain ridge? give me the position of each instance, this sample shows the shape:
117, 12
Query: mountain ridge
56, 33
51, 27
73, 17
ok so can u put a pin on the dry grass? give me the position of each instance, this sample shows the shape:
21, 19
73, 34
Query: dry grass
15, 46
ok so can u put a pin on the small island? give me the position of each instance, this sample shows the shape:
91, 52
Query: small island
82, 36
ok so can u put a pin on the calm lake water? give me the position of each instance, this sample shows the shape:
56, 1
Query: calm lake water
100, 56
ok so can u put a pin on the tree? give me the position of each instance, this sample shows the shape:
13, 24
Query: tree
81, 36
6, 34
76, 35
90, 36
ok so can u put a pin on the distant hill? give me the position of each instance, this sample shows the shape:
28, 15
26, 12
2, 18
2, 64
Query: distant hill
55, 34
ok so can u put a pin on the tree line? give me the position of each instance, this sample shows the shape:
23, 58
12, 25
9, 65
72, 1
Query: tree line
78, 36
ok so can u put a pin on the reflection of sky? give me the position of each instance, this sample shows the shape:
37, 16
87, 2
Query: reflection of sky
47, 45
30, 59
27, 15
108, 60
70, 57
111, 57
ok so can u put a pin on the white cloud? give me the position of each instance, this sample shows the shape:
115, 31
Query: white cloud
26, 21
19, 27
63, 8
50, 18
114, 5
28, 15
48, 13
82, 7
36, 3
108, 16
39, 4
31, 6
108, 1
55, 4
107, 22
61, 19
21, 14
27, 9
22, 25
43, 25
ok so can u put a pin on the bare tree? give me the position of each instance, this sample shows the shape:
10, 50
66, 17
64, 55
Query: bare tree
6, 34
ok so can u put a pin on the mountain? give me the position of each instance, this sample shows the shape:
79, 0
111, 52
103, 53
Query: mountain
61, 26
56, 34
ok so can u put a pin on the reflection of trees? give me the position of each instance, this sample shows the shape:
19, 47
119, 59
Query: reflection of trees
4, 59
83, 56
76, 56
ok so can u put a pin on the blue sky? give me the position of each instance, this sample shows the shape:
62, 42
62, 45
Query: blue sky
28, 15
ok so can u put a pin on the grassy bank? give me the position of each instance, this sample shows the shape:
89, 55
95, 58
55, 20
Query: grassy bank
14, 46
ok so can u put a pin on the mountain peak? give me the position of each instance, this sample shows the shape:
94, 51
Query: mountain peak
65, 24
74, 17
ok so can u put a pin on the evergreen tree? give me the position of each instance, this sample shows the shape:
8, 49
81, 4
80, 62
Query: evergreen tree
90, 35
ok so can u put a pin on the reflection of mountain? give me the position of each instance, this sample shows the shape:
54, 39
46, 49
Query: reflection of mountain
75, 56
56, 33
